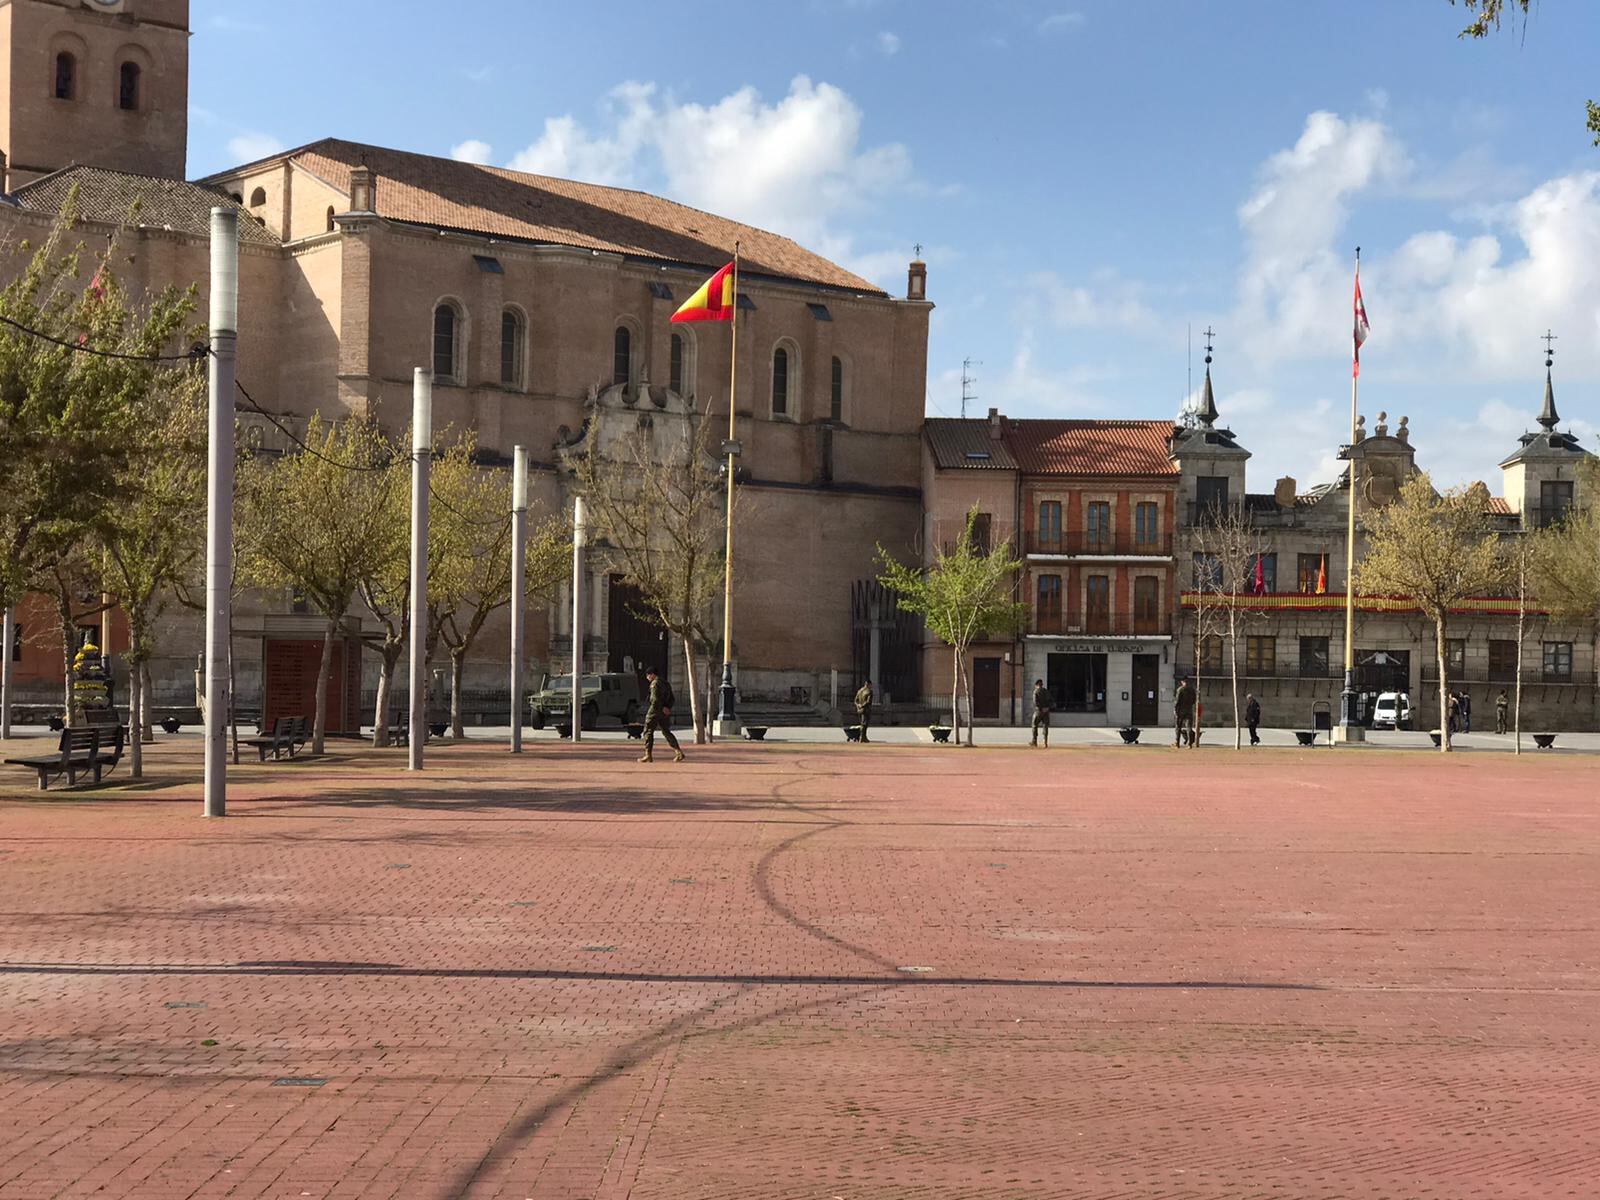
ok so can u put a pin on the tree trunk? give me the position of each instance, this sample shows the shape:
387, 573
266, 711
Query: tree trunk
1522, 616
955, 694
383, 706
147, 702
319, 731
135, 743
695, 711
458, 655
966, 690
68, 711
1233, 664
1444, 690
233, 696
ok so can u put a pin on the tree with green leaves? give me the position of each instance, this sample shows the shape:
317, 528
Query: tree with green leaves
1435, 549
1564, 559
1487, 18
317, 521
967, 594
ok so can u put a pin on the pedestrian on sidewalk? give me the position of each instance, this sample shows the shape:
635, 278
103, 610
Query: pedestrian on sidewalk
1453, 711
1252, 717
1501, 704
659, 716
1041, 713
864, 707
1466, 712
1183, 715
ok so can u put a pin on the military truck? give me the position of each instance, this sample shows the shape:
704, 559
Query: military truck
603, 696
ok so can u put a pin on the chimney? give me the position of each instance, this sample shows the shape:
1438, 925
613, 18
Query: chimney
1283, 493
917, 280
996, 425
361, 189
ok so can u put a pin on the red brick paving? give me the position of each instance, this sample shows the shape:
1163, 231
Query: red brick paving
1152, 974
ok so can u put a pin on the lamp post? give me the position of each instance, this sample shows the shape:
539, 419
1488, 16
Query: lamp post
579, 534
519, 550
421, 461
219, 501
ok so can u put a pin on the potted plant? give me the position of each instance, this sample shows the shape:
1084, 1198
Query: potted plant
171, 724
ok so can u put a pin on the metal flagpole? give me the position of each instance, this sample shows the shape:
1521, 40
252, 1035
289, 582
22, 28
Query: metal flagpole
1349, 725
421, 461
519, 550
219, 501
579, 532
6, 650
727, 719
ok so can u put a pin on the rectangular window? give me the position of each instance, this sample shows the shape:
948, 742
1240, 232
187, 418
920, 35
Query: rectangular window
1502, 661
489, 266
1147, 605
1211, 652
1050, 526
16, 643
1558, 662
1146, 525
1455, 657
1308, 574
1555, 498
1314, 657
1207, 572
836, 392
820, 312
1265, 579
1077, 682
1049, 607
1260, 656
981, 523
661, 291
1098, 525
1097, 603
675, 365
1210, 496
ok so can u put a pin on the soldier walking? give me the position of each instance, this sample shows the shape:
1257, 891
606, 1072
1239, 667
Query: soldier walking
1041, 713
1183, 715
864, 707
1501, 704
1252, 717
659, 715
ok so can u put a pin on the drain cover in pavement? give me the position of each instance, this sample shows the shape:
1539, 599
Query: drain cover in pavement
600, 949
186, 1004
914, 970
298, 1081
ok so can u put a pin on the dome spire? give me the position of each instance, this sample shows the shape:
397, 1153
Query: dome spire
1208, 402
1548, 417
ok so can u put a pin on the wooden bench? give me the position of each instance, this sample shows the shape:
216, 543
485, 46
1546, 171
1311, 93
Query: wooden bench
81, 751
287, 737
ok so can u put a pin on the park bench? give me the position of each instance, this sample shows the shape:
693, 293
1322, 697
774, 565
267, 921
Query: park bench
81, 751
287, 737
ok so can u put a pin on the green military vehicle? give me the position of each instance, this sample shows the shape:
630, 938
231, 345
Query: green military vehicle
603, 696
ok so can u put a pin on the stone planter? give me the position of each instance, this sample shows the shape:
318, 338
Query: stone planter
171, 724
940, 733
755, 733
1544, 740
1129, 735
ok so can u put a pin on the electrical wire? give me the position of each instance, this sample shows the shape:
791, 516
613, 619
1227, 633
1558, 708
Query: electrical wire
250, 402
194, 355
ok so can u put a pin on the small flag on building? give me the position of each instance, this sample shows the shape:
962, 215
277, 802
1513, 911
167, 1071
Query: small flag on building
1362, 329
713, 302
1322, 576
1261, 577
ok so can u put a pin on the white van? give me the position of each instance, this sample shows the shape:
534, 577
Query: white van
1392, 711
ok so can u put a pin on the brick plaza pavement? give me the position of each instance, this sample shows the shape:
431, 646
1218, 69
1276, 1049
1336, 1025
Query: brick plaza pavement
1140, 973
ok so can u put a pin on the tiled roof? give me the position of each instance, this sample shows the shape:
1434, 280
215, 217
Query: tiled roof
1499, 506
108, 196
446, 194
1091, 447
966, 445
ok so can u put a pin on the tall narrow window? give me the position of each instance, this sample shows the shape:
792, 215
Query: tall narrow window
622, 356
1260, 655
1211, 652
1050, 527
675, 365
982, 527
1314, 657
780, 382
66, 77
1502, 661
510, 349
128, 87
444, 342
1048, 613
836, 394
1099, 525
1097, 603
1558, 662
1146, 525
1147, 605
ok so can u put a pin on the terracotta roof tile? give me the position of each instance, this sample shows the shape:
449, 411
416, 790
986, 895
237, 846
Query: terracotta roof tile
446, 194
108, 196
1091, 447
1499, 506
966, 445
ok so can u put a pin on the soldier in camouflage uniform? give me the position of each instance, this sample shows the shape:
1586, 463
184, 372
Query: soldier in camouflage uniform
1041, 713
659, 715
864, 707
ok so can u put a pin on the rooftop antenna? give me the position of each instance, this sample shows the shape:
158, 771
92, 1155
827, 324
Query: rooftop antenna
967, 380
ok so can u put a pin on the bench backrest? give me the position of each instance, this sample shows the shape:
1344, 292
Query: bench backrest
282, 727
297, 727
80, 738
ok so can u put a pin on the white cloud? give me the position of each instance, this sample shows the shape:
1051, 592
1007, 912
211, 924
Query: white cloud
479, 74
794, 165
250, 145
472, 151
227, 24
888, 44
1061, 22
1107, 301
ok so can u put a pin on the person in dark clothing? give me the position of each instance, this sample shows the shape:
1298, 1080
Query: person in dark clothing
1501, 706
1466, 712
1183, 715
1041, 713
1453, 712
1252, 717
864, 707
659, 716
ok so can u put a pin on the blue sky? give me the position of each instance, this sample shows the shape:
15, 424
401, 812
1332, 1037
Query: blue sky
1089, 180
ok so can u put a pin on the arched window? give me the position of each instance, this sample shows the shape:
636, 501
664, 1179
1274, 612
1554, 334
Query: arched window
128, 87
836, 392
258, 198
780, 382
511, 341
622, 356
66, 77
331, 225
675, 366
238, 198
446, 342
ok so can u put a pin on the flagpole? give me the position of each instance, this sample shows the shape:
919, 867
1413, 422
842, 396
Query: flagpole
727, 724
1349, 725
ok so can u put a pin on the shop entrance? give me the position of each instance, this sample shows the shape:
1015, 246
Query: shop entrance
1077, 682
1146, 689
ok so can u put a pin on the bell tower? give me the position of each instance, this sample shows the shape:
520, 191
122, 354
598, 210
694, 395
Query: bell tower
101, 83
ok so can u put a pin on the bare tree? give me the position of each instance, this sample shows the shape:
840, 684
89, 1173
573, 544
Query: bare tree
1229, 550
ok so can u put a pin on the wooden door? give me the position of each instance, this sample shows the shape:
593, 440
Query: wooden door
985, 689
1146, 689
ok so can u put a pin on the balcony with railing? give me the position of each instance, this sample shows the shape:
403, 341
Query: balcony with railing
1533, 673
1082, 543
1101, 624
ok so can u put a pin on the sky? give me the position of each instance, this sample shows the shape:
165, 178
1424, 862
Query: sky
1093, 184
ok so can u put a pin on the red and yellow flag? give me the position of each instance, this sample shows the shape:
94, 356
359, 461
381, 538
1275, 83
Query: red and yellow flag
713, 302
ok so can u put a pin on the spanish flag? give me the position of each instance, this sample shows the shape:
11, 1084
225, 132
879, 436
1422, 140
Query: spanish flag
713, 302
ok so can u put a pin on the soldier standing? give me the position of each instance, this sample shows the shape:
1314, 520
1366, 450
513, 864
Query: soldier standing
1500, 706
1183, 715
864, 707
1041, 713
659, 715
